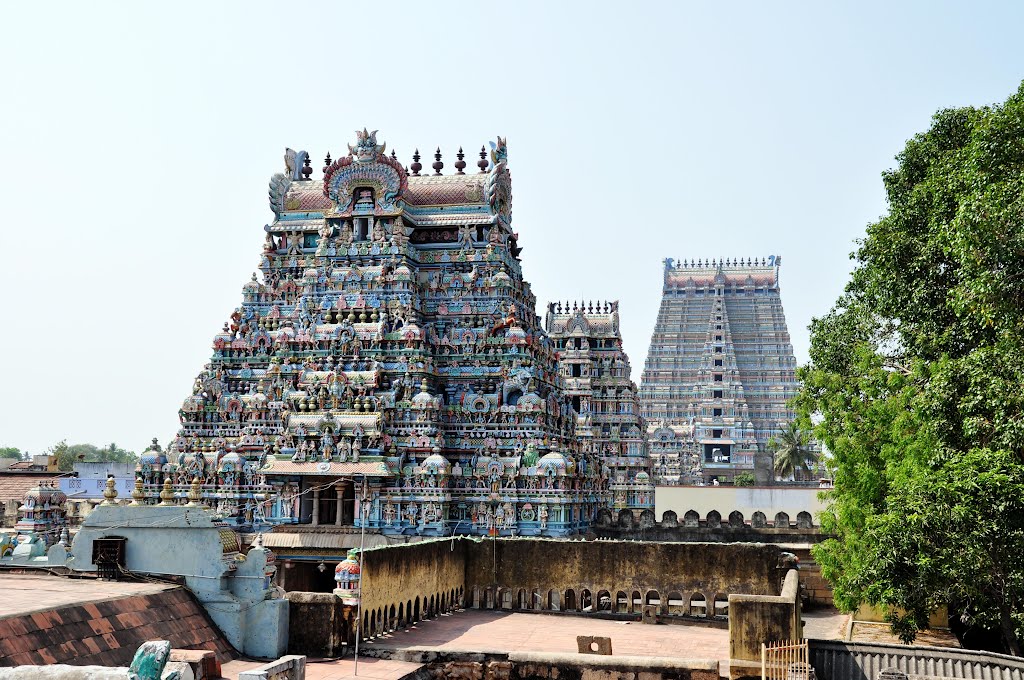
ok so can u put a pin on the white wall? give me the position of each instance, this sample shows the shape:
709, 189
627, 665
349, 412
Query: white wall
746, 499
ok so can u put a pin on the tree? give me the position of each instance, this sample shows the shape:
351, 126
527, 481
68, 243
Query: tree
10, 452
915, 379
792, 452
68, 455
744, 479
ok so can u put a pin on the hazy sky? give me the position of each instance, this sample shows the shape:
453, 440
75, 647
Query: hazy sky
137, 140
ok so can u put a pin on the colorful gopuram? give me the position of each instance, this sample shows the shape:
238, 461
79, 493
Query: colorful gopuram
597, 381
386, 367
719, 371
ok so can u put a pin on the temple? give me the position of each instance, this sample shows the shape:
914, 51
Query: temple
387, 368
597, 377
719, 372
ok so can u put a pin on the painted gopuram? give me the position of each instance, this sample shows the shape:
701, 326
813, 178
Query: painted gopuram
597, 382
386, 366
719, 371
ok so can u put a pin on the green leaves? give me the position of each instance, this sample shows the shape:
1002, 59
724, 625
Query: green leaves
915, 385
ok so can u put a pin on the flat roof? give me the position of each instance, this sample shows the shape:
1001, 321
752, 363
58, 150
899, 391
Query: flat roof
31, 593
478, 630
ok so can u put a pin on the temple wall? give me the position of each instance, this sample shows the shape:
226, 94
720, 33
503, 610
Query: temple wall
746, 499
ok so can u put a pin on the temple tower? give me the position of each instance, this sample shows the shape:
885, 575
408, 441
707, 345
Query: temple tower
719, 371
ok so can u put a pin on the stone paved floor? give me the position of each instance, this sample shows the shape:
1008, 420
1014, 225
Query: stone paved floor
825, 624
25, 594
481, 630
318, 669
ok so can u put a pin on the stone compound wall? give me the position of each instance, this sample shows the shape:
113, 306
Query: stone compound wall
549, 666
754, 619
411, 582
617, 576
404, 584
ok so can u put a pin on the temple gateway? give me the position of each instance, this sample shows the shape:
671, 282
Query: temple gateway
387, 369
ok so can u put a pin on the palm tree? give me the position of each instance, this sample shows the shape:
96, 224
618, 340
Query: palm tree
792, 452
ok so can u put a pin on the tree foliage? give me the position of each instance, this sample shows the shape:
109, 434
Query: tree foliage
916, 381
793, 452
67, 455
10, 452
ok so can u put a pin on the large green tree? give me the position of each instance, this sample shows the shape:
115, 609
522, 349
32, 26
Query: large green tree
67, 455
10, 452
792, 452
916, 385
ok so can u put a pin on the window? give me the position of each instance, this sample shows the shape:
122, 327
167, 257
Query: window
577, 370
718, 377
718, 338
309, 240
716, 434
718, 350
717, 394
716, 412
718, 362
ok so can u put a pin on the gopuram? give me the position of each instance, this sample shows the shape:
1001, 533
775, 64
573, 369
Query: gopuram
597, 380
719, 371
387, 367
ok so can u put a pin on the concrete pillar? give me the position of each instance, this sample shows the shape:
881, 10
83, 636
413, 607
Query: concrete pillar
337, 510
316, 506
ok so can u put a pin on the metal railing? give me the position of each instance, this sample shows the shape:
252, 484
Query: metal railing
835, 660
785, 661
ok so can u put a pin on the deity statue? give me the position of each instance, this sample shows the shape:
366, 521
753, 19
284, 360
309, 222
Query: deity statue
542, 515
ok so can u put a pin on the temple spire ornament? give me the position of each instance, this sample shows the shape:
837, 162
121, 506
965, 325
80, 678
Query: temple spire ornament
437, 165
460, 164
416, 165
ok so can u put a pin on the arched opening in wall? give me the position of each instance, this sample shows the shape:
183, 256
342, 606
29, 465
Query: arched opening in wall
416, 611
522, 601
554, 601
392, 619
586, 600
536, 600
604, 601
676, 606
443, 608
577, 404
698, 605
455, 600
403, 616
804, 520
489, 598
364, 631
431, 608
506, 598
570, 600
636, 603
373, 624
513, 397
653, 597
781, 520
475, 597
722, 606
382, 624
621, 603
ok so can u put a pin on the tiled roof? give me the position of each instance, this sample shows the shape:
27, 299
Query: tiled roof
13, 486
108, 633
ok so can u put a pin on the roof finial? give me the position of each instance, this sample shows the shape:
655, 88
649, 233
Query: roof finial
327, 162
307, 169
437, 165
460, 164
416, 165
483, 162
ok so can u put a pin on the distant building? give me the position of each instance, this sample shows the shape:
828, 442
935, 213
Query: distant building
597, 381
719, 371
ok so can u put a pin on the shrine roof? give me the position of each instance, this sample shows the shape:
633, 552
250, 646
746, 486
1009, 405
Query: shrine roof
14, 486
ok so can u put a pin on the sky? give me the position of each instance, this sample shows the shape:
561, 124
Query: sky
137, 141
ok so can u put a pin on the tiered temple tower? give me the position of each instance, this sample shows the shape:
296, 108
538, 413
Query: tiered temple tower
719, 371
597, 381
387, 367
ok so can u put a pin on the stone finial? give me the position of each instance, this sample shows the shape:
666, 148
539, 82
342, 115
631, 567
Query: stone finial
195, 493
437, 165
483, 162
110, 493
167, 494
307, 169
137, 494
327, 162
460, 164
416, 165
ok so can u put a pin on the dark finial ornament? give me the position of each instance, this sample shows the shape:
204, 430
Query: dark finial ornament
416, 165
460, 164
394, 156
482, 163
327, 162
307, 168
437, 165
